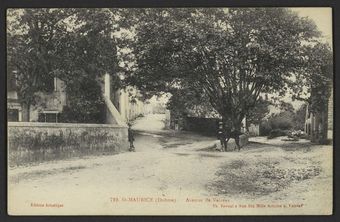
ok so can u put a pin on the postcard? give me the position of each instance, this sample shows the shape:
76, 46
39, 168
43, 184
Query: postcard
170, 111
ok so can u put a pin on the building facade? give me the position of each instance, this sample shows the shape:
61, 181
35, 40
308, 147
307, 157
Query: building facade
47, 108
119, 106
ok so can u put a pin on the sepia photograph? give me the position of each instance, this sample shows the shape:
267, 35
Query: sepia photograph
170, 111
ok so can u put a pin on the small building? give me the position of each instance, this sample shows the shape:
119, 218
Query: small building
119, 106
48, 105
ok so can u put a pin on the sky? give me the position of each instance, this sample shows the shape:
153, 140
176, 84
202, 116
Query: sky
322, 17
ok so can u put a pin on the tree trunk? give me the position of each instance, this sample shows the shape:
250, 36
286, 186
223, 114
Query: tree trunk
315, 123
232, 122
324, 127
237, 125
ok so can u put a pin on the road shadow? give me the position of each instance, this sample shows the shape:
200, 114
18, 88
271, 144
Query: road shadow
288, 146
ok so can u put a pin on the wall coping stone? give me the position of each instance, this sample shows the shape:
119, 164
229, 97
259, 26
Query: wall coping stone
62, 125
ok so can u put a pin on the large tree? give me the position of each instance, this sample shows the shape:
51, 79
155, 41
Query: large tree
232, 56
31, 38
88, 51
317, 77
75, 45
318, 85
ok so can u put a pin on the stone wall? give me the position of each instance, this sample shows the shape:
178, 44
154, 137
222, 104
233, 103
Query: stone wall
37, 142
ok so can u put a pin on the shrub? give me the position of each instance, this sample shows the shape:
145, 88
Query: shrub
265, 128
276, 133
85, 103
282, 122
299, 118
296, 133
140, 115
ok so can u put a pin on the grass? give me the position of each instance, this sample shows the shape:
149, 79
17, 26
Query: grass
261, 173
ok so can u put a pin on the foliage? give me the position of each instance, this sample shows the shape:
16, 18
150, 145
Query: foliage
283, 121
85, 103
265, 128
31, 39
258, 113
34, 144
220, 59
287, 119
317, 76
297, 134
75, 45
229, 56
91, 50
299, 118
187, 101
276, 133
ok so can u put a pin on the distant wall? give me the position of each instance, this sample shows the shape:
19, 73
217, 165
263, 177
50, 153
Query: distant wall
254, 130
129, 108
330, 111
35, 142
206, 126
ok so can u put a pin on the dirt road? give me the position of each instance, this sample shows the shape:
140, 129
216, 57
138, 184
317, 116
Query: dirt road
176, 173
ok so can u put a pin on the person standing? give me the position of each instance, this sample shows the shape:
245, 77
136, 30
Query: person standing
131, 138
221, 135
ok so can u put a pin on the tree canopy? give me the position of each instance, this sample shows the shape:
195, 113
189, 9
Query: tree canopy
225, 58
316, 77
75, 45
232, 56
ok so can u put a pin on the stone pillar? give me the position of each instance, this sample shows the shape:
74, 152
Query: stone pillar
20, 115
107, 85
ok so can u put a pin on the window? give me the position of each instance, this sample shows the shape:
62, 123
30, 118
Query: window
50, 84
13, 115
51, 117
48, 116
